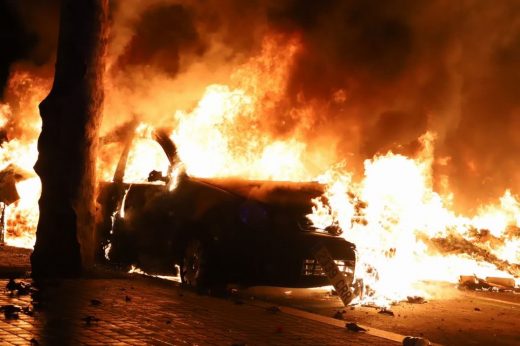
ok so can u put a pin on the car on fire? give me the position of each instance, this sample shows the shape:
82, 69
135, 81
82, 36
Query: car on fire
216, 231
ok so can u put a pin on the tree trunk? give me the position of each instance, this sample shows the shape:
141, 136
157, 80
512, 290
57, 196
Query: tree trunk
71, 115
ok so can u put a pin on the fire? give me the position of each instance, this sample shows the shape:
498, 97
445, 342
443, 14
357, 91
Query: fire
225, 129
404, 221
20, 123
404, 230
22, 217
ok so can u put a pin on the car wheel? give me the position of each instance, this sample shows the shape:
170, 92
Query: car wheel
194, 266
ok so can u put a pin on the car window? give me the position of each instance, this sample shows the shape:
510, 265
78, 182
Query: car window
145, 155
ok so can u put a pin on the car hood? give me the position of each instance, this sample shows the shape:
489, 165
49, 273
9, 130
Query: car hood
269, 192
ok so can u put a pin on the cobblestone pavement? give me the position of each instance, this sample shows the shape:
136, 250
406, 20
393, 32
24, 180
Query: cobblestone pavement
142, 311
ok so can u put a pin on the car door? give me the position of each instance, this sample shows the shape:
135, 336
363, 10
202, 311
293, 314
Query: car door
146, 211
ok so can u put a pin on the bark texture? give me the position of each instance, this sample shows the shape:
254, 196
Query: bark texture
71, 115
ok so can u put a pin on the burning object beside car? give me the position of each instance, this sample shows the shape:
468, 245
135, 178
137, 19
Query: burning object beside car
473, 282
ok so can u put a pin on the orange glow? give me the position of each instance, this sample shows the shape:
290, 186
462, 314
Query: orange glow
20, 151
404, 230
402, 211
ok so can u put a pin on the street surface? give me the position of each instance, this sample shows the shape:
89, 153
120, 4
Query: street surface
145, 311
450, 317
137, 310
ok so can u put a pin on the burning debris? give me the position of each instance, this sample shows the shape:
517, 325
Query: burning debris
406, 225
416, 300
457, 244
9, 177
488, 284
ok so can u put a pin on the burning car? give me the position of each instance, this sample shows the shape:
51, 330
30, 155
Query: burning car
216, 230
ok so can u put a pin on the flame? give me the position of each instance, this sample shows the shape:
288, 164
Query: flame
22, 217
224, 128
20, 121
404, 230
402, 221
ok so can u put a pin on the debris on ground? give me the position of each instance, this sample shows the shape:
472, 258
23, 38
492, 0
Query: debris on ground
415, 300
386, 312
11, 311
90, 319
507, 283
11, 285
9, 308
354, 327
415, 341
21, 288
24, 288
273, 309
95, 302
477, 309
34, 342
28, 311
339, 315
127, 299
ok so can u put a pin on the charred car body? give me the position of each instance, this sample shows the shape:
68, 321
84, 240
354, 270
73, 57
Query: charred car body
215, 230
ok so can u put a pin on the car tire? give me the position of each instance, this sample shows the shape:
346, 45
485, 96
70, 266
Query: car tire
194, 265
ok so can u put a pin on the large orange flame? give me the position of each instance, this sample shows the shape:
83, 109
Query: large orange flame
405, 231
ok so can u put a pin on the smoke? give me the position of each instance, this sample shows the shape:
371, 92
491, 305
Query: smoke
369, 76
28, 34
161, 33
